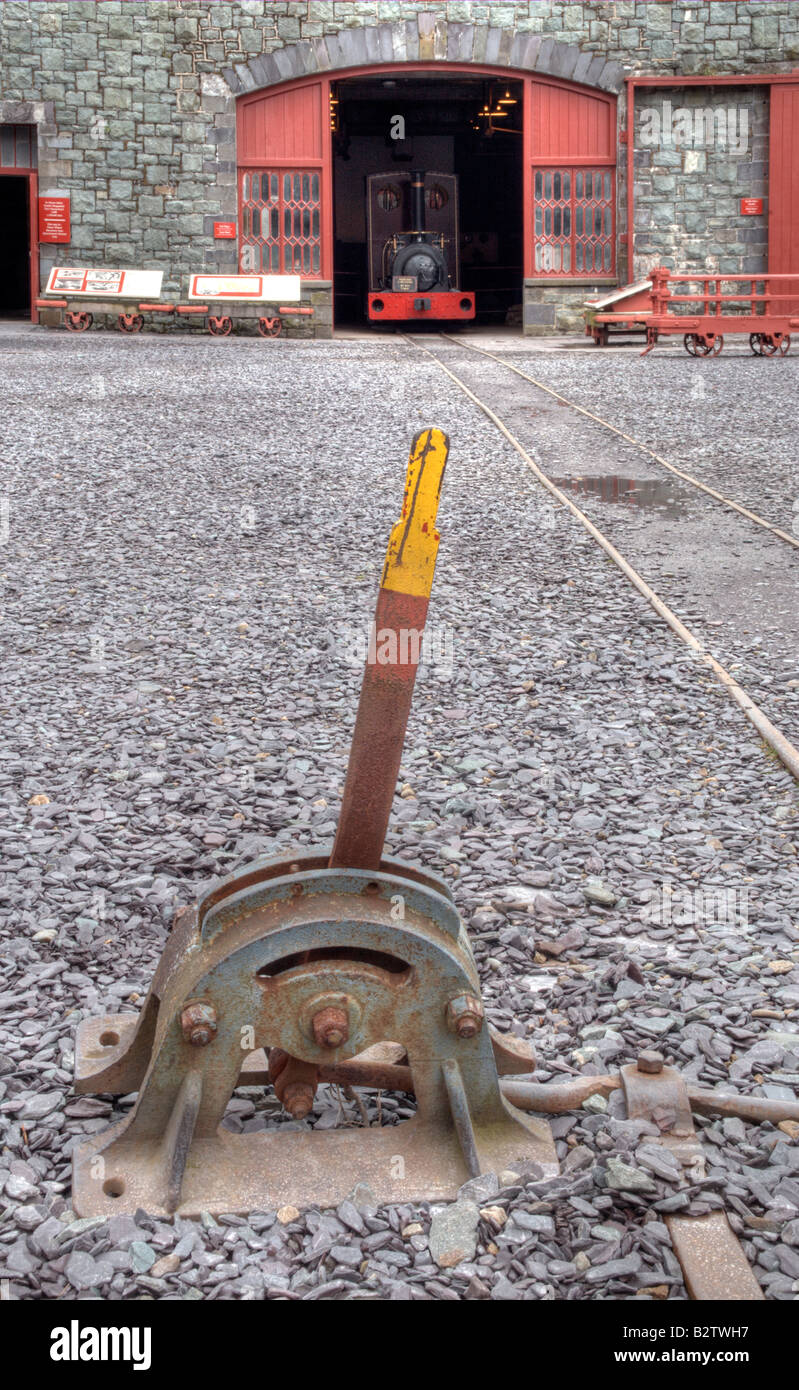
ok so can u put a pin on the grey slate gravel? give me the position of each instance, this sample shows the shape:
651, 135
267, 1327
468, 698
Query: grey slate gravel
574, 743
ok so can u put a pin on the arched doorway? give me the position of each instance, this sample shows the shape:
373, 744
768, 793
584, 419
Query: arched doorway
544, 216
466, 132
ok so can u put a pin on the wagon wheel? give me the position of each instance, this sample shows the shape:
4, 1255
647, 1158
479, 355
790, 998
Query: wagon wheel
270, 328
130, 323
771, 344
768, 346
696, 345
78, 321
756, 343
220, 327
717, 344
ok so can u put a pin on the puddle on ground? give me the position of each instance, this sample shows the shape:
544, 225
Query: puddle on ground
660, 495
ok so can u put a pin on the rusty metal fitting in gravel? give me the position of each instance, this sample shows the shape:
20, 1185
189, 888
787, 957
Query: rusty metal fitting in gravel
298, 1099
650, 1062
331, 1027
198, 1023
465, 1016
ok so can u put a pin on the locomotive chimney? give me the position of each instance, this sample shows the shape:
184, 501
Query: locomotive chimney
417, 201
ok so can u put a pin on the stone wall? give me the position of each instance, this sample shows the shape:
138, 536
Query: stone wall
557, 308
135, 102
698, 151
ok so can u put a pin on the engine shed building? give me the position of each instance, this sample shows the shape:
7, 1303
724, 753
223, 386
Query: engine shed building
589, 142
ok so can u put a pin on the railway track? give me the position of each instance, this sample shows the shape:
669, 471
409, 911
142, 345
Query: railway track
636, 443
713, 1262
784, 748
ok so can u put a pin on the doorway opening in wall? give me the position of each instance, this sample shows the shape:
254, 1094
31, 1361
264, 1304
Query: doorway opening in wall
15, 280
461, 126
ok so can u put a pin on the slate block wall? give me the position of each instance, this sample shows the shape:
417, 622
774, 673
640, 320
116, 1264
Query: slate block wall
134, 103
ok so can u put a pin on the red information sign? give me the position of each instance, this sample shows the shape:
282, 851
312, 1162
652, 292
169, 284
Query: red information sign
54, 219
224, 230
750, 207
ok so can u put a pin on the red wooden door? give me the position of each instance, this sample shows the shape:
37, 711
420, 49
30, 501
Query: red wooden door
285, 203
570, 182
783, 193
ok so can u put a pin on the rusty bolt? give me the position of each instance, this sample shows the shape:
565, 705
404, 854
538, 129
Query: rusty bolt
298, 1099
650, 1062
198, 1023
465, 1016
331, 1027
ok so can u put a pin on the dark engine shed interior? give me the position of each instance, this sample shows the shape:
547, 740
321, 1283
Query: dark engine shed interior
471, 127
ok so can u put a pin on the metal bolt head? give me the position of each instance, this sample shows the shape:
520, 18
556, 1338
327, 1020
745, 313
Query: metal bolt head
650, 1062
198, 1024
331, 1027
298, 1099
465, 1016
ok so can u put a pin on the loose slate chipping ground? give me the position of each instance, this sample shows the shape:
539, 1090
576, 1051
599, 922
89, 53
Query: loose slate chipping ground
728, 423
194, 529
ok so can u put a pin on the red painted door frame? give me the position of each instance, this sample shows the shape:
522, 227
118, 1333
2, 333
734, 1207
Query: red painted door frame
527, 181
783, 183
33, 251
33, 229
470, 69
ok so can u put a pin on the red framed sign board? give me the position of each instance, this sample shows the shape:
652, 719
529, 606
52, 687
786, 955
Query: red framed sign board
284, 289
750, 207
225, 231
54, 220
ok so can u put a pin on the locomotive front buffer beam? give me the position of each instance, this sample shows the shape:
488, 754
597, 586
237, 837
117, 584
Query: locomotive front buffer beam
345, 966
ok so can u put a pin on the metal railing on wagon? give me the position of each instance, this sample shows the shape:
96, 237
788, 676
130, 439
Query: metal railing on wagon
766, 306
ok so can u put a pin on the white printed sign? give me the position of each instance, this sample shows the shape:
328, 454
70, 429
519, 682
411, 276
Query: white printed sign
285, 288
105, 284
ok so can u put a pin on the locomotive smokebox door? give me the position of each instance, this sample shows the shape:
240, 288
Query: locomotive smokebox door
390, 214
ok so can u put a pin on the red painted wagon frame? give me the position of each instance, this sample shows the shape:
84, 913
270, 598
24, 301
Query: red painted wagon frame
220, 324
773, 312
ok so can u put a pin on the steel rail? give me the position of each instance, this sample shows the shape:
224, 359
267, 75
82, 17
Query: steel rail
785, 750
629, 439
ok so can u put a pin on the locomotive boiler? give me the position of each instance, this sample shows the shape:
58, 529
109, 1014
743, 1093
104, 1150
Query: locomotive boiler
413, 248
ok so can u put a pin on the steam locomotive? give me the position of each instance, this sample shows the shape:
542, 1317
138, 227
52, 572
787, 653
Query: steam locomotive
414, 273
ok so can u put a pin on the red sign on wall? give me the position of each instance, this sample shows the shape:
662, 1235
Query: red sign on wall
224, 230
750, 207
54, 219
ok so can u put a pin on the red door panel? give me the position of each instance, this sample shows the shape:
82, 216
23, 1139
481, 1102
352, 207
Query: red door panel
285, 203
284, 126
571, 126
570, 192
783, 201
